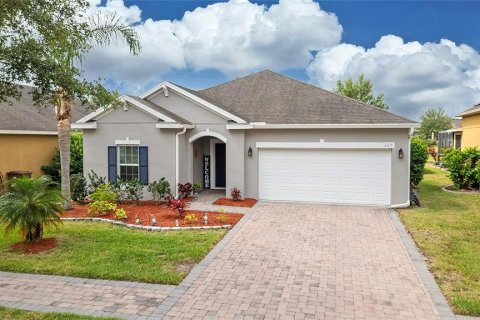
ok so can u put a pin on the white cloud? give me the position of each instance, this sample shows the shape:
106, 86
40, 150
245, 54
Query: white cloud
238, 37
413, 76
235, 38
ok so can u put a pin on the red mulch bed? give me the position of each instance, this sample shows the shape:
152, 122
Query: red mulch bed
35, 247
246, 203
165, 216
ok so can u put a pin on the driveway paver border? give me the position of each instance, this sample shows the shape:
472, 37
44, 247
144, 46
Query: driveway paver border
178, 292
425, 276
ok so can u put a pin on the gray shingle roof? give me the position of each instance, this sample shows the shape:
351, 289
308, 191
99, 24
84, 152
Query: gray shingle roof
23, 115
273, 98
160, 109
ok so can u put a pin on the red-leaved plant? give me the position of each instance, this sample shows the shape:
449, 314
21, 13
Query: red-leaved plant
236, 194
178, 205
184, 189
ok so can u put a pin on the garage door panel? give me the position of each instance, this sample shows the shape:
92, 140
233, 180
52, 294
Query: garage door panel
334, 176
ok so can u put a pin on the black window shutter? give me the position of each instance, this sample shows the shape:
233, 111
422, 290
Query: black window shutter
143, 157
112, 163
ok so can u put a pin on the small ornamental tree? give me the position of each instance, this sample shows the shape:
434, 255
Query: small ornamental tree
418, 158
29, 204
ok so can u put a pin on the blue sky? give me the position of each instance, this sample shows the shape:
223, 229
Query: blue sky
397, 44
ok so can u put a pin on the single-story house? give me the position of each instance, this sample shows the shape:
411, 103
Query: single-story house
451, 138
471, 127
274, 137
28, 135
465, 131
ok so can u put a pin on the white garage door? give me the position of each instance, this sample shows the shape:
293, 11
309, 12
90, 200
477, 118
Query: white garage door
330, 176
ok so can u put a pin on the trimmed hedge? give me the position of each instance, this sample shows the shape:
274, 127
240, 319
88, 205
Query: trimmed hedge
418, 158
464, 167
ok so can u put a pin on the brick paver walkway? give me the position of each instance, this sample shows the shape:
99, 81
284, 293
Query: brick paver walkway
83, 296
295, 261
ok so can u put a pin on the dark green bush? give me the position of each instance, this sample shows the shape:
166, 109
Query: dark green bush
78, 186
76, 159
464, 167
418, 158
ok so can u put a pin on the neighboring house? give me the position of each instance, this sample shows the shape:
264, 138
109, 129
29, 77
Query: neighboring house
28, 135
471, 127
465, 131
273, 137
451, 138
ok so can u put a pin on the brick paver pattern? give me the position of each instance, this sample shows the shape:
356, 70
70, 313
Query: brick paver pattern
300, 261
77, 295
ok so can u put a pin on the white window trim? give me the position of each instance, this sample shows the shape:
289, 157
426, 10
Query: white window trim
325, 145
127, 142
127, 164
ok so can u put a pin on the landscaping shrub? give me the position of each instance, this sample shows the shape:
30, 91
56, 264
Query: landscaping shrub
418, 158
128, 189
464, 167
104, 193
236, 194
191, 218
159, 189
78, 186
197, 186
184, 189
178, 205
101, 207
222, 217
76, 159
95, 181
29, 204
120, 214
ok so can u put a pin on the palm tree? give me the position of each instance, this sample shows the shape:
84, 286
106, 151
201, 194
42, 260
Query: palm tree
29, 204
103, 30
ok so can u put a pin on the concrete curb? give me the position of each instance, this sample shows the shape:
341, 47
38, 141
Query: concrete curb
438, 298
145, 228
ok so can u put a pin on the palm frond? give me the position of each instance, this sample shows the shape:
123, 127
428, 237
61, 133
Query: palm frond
108, 28
29, 203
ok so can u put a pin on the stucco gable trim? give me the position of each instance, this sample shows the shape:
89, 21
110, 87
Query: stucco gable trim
207, 133
167, 85
325, 145
86, 125
101, 112
30, 132
322, 126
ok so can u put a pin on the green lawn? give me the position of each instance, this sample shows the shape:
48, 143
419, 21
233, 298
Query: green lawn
447, 230
103, 251
15, 314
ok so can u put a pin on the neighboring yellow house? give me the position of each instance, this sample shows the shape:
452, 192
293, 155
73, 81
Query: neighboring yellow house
471, 127
28, 135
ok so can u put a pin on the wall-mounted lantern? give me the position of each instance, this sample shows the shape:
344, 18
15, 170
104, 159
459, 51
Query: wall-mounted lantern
250, 151
400, 153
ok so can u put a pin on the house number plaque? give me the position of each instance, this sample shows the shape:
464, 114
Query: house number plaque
206, 172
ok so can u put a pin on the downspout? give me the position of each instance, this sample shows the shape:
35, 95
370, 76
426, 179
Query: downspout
177, 158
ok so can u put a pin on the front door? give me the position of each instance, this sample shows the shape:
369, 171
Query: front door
220, 165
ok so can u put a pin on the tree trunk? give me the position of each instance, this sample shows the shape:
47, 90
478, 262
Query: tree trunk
62, 112
35, 234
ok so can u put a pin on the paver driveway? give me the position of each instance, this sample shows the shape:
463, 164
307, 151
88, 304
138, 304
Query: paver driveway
296, 261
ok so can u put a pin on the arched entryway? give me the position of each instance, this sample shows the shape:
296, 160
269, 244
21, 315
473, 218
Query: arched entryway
208, 159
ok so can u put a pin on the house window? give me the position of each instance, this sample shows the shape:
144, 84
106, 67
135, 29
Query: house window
128, 162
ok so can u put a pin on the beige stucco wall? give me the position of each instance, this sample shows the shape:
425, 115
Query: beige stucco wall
26, 152
471, 131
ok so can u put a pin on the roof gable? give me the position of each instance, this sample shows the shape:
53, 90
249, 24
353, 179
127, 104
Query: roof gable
193, 96
276, 99
471, 111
